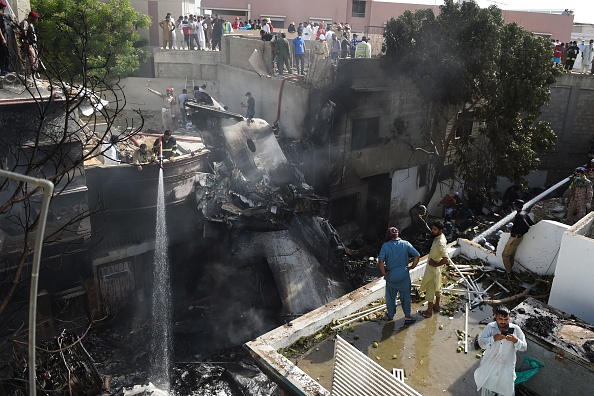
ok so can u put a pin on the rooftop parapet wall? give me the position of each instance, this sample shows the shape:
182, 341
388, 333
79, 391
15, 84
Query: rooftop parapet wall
572, 289
537, 253
570, 113
197, 65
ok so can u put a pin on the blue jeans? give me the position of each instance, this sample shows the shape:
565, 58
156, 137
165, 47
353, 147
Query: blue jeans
405, 298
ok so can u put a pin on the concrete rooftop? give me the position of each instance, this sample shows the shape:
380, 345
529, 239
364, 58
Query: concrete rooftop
426, 350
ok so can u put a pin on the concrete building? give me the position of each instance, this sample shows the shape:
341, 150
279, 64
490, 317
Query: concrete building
157, 11
361, 14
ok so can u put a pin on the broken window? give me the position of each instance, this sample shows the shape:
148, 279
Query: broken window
465, 129
344, 210
359, 9
422, 176
365, 133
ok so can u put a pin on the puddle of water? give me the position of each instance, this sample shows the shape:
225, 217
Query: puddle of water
427, 354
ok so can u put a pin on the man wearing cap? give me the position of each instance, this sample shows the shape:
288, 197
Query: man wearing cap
393, 264
521, 225
168, 110
580, 196
321, 48
251, 106
321, 31
30, 39
363, 49
168, 145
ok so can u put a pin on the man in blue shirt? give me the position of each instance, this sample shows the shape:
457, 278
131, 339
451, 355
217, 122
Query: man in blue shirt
354, 41
393, 264
299, 52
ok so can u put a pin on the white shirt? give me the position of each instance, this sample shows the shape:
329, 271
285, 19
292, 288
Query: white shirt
497, 370
307, 32
266, 28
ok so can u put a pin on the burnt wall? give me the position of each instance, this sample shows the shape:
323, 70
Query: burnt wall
377, 121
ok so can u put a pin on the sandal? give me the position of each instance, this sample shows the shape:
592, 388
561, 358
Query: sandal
409, 321
423, 314
436, 309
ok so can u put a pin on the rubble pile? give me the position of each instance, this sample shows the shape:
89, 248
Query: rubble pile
549, 209
63, 367
556, 328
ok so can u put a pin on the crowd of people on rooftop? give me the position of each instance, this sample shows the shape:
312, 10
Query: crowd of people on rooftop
566, 54
203, 32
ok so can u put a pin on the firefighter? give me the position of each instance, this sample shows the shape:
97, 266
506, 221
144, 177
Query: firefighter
143, 156
168, 144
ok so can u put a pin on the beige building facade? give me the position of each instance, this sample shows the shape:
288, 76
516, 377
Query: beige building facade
361, 14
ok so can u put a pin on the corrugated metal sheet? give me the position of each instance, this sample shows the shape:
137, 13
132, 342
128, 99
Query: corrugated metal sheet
357, 375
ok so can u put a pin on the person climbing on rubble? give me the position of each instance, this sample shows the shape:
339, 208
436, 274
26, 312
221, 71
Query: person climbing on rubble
143, 156
251, 106
168, 144
438, 256
393, 264
168, 110
500, 340
521, 224
580, 196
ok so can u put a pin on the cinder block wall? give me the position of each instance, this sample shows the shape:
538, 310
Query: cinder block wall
570, 112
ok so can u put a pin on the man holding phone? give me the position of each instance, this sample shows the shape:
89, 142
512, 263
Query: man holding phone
500, 339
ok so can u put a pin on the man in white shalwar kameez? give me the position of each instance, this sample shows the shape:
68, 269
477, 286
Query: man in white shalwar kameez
497, 371
201, 35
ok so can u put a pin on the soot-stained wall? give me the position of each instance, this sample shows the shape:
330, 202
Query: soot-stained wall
377, 121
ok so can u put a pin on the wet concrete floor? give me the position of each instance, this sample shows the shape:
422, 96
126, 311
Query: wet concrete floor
427, 354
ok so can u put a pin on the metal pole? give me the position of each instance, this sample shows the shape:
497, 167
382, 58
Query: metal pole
510, 216
48, 190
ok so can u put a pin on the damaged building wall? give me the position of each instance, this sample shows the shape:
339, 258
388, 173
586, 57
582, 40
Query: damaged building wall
234, 83
377, 122
572, 290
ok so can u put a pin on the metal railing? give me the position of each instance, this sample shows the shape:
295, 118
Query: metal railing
48, 190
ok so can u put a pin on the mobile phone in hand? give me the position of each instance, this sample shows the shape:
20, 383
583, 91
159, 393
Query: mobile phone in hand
508, 331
